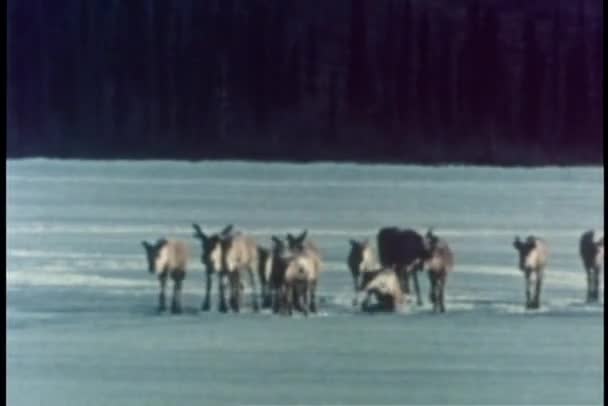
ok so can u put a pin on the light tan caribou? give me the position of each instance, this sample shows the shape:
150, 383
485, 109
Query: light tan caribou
168, 258
533, 257
303, 271
233, 255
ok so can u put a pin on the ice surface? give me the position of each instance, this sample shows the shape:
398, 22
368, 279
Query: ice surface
82, 328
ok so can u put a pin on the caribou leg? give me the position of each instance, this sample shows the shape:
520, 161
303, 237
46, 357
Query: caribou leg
405, 280
209, 285
266, 295
312, 287
416, 287
222, 284
365, 303
235, 290
441, 288
356, 283
590, 283
276, 298
528, 290
539, 282
596, 284
289, 299
432, 294
162, 278
303, 294
176, 302
254, 293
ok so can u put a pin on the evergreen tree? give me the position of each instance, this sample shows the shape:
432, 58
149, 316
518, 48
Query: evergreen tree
312, 63
387, 67
532, 84
445, 93
359, 73
277, 57
332, 139
576, 85
294, 73
258, 64
423, 78
554, 78
494, 103
468, 90
403, 68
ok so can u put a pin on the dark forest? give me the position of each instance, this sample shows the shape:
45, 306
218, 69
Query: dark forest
484, 82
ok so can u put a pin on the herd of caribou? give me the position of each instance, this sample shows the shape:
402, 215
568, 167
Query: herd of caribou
288, 273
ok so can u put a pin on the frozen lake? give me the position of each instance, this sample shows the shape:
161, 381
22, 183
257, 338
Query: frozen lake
82, 328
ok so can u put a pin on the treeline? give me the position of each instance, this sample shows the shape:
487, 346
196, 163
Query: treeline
394, 80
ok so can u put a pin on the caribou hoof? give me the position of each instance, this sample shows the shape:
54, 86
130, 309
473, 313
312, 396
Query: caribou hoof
205, 306
223, 308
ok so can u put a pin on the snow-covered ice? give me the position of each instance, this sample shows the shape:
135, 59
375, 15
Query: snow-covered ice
82, 327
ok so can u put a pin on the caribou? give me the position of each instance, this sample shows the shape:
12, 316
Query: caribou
440, 262
533, 255
168, 259
404, 251
209, 244
591, 249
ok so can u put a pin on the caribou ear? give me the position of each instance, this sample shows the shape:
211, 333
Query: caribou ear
290, 239
227, 229
517, 242
145, 244
429, 232
198, 233
353, 243
302, 236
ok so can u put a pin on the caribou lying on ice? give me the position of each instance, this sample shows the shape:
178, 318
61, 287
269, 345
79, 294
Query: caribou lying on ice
439, 263
533, 256
383, 285
371, 280
591, 249
168, 258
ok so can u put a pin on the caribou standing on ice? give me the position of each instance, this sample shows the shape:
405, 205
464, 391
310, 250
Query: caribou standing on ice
533, 256
209, 243
404, 251
439, 263
236, 254
302, 272
168, 258
591, 249
361, 261
274, 274
231, 253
